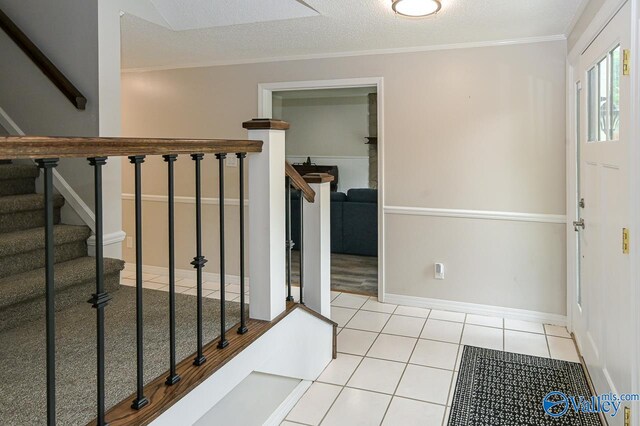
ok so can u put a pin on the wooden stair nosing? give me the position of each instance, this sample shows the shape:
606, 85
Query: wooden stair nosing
162, 397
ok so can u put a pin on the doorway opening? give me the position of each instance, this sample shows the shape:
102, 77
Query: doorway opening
335, 129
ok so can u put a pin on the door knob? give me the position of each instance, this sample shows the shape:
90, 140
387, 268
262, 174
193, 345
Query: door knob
578, 224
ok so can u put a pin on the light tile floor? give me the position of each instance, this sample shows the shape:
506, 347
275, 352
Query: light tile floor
397, 365
210, 289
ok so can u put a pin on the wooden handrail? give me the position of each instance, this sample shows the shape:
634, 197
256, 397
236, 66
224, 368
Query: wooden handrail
42, 62
37, 147
298, 182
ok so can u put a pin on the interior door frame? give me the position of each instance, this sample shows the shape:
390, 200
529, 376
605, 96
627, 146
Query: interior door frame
265, 110
607, 11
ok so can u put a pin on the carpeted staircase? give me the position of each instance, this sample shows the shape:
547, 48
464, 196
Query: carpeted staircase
22, 274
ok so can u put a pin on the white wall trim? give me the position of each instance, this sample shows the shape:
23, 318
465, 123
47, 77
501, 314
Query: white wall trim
186, 274
184, 200
61, 185
334, 157
507, 42
108, 239
477, 214
474, 308
74, 201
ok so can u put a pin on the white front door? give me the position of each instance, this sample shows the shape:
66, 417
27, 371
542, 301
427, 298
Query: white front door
602, 315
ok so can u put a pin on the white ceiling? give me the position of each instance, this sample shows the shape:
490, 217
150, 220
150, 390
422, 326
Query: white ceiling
183, 15
338, 27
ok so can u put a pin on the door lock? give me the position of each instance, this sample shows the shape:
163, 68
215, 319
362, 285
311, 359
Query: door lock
581, 203
578, 224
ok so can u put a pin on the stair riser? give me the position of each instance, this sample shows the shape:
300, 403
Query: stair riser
25, 220
35, 259
34, 309
17, 187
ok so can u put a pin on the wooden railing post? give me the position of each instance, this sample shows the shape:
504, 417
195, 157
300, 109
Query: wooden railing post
317, 245
267, 219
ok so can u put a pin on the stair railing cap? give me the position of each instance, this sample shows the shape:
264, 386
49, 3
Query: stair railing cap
265, 124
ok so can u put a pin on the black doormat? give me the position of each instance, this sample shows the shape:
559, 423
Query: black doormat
503, 388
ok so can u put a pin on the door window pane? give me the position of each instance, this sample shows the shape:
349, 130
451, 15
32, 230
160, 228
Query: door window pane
603, 98
592, 93
603, 102
614, 109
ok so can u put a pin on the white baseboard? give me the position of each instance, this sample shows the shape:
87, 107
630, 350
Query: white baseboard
474, 308
185, 273
287, 405
111, 243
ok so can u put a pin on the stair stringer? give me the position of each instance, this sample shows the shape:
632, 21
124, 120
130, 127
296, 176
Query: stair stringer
299, 346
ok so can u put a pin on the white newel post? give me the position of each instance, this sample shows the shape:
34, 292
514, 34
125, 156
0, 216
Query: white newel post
317, 245
267, 219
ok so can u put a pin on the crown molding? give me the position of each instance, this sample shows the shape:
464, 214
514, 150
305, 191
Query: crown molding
392, 51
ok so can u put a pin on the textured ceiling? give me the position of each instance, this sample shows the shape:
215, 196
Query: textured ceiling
197, 14
342, 26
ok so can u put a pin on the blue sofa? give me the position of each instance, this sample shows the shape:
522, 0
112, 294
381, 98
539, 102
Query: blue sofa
354, 221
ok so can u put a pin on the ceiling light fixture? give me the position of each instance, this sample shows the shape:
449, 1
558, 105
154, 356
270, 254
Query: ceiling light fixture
416, 8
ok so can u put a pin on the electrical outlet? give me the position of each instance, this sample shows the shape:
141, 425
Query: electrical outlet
129, 242
231, 161
439, 271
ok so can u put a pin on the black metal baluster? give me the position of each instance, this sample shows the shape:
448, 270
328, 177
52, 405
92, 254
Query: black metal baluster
223, 341
140, 400
243, 324
100, 298
301, 247
199, 261
47, 165
288, 242
173, 377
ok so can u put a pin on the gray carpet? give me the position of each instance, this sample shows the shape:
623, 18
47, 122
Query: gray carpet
22, 354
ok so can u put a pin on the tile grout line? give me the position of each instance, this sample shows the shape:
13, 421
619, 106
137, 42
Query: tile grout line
406, 365
351, 375
452, 384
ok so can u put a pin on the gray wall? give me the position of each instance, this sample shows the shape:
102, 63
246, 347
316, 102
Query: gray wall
67, 32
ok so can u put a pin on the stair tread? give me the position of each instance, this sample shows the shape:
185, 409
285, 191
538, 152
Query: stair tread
18, 171
31, 285
17, 242
26, 202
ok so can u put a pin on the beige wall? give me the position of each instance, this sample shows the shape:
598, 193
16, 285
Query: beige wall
474, 129
589, 12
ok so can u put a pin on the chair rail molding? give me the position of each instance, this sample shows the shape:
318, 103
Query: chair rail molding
184, 199
477, 214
